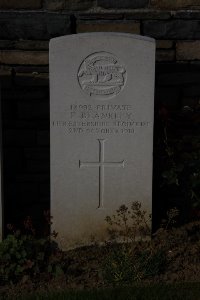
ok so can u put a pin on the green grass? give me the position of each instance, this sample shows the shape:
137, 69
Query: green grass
184, 291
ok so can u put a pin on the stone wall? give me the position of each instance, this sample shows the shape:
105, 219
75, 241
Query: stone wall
25, 29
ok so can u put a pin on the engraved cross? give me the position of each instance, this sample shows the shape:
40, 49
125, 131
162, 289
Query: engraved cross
101, 164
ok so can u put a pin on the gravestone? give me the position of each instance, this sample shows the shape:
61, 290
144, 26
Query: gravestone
101, 111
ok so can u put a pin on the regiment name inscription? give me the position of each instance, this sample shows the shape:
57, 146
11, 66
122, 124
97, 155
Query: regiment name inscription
116, 119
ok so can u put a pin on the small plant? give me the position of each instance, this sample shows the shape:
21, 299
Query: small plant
135, 258
121, 266
23, 256
129, 224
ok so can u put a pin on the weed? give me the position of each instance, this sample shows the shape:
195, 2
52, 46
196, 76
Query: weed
136, 258
129, 224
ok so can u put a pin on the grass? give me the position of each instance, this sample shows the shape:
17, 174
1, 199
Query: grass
182, 291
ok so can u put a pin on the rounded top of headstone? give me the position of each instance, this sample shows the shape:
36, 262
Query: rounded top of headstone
104, 34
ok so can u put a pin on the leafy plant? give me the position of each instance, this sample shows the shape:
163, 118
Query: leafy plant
23, 256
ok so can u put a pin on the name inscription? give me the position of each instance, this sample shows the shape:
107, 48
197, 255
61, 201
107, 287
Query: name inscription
106, 119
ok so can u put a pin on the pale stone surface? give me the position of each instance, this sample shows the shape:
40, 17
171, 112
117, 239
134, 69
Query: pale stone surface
101, 109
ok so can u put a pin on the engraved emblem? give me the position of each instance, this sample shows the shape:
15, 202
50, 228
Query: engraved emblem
102, 75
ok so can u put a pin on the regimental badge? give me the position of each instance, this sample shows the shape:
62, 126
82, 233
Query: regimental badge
101, 75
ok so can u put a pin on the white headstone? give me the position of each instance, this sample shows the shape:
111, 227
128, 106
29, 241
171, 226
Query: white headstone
101, 108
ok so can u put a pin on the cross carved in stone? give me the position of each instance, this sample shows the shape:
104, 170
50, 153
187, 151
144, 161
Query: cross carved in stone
101, 164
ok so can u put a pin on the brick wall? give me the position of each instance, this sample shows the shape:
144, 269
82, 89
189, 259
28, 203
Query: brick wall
25, 29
